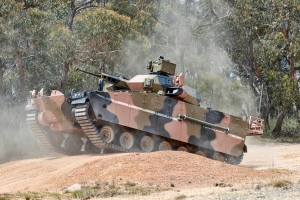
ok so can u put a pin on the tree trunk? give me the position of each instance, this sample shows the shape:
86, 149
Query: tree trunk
21, 75
266, 117
266, 108
277, 129
250, 61
72, 15
2, 69
64, 74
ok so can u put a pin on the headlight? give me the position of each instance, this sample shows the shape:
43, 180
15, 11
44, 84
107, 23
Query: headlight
78, 95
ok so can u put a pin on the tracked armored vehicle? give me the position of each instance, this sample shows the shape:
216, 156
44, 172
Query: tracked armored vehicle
147, 113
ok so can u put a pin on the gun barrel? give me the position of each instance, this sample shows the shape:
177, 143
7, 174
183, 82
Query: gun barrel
87, 72
181, 117
117, 81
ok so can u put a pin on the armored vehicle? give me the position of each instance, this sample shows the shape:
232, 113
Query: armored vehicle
146, 113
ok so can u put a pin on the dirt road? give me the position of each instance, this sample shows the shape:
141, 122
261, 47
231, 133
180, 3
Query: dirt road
191, 175
264, 155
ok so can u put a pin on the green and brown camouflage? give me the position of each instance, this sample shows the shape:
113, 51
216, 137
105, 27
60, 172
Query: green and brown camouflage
146, 113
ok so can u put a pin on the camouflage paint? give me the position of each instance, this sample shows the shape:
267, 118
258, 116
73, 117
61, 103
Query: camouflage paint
157, 114
54, 112
154, 108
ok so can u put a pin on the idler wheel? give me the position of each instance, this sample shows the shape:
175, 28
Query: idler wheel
126, 140
147, 144
163, 146
218, 156
182, 149
201, 153
107, 134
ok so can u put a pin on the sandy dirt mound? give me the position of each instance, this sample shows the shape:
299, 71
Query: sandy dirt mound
157, 168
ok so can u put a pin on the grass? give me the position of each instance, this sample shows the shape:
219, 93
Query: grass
276, 183
131, 188
136, 190
32, 195
55, 195
280, 183
97, 189
180, 197
290, 131
130, 184
97, 186
111, 193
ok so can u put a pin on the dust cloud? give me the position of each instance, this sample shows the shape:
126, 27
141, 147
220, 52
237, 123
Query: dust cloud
201, 58
16, 140
262, 155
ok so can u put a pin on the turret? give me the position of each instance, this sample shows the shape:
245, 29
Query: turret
160, 80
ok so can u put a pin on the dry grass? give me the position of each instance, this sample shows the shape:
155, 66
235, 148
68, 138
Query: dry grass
33, 195
180, 197
97, 189
280, 183
105, 189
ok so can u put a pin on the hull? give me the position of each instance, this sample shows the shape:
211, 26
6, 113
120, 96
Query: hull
158, 115
97, 122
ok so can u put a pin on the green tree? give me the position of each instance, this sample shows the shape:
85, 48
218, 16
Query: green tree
267, 52
24, 38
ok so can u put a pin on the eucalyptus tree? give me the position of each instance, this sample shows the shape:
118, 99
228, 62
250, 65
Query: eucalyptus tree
24, 37
99, 31
267, 51
103, 34
10, 47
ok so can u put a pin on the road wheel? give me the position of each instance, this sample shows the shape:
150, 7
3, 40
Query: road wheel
107, 134
147, 144
126, 140
163, 146
234, 160
182, 148
201, 153
218, 156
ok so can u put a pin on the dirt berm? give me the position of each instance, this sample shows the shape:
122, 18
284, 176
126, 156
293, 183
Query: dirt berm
184, 171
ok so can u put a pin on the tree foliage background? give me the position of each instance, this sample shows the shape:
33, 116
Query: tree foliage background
227, 49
